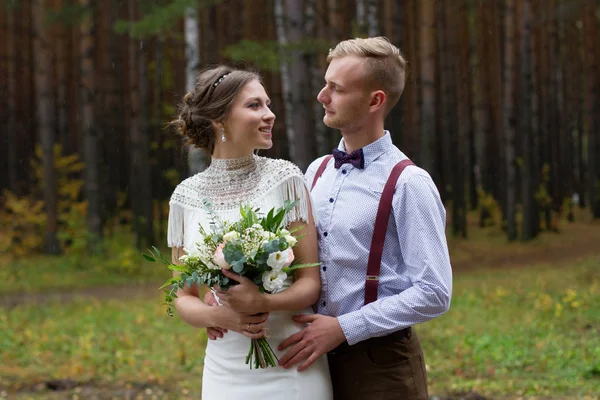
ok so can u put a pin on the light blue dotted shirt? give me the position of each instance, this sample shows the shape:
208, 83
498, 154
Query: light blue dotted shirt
415, 283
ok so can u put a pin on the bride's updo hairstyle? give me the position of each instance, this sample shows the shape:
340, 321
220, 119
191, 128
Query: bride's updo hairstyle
214, 91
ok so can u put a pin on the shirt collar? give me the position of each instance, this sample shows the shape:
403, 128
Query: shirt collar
372, 151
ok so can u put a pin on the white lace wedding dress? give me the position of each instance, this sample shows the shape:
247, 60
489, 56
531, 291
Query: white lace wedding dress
264, 183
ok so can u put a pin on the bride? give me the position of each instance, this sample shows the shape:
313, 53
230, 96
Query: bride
227, 114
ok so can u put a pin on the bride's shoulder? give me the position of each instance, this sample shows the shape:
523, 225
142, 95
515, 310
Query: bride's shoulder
188, 190
281, 168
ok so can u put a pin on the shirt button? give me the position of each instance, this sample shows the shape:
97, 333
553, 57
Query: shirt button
324, 303
324, 268
331, 200
325, 234
344, 171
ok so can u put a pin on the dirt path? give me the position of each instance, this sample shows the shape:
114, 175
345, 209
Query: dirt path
117, 292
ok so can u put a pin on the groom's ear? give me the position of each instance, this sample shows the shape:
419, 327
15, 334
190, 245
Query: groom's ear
378, 99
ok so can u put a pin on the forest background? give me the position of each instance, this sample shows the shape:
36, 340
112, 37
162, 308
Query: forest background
501, 107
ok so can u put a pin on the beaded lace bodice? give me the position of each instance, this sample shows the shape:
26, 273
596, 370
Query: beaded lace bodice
262, 182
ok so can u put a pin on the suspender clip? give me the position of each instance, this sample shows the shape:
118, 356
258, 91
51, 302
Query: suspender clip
372, 277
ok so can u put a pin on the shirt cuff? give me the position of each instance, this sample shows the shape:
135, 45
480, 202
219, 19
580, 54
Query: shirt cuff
354, 327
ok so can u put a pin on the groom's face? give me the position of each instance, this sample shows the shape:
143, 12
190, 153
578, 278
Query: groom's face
345, 97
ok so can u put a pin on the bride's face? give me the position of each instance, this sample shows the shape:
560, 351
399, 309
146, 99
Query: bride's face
250, 120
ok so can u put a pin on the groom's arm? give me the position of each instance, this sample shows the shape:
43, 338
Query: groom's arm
420, 221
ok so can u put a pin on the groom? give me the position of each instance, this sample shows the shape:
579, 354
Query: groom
372, 296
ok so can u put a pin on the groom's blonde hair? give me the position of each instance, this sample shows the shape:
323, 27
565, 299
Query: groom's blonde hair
385, 67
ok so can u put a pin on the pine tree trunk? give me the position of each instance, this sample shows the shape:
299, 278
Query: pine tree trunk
299, 74
62, 84
11, 95
143, 138
372, 20
285, 79
482, 118
592, 93
135, 129
335, 19
554, 133
453, 96
316, 82
43, 107
427, 51
464, 110
528, 228
573, 111
4, 33
409, 137
361, 16
509, 119
197, 159
444, 130
89, 130
394, 15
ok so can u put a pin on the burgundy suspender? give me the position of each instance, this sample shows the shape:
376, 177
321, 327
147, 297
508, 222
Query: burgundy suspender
320, 170
381, 224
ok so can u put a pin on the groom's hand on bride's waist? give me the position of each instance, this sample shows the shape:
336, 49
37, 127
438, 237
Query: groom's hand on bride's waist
322, 335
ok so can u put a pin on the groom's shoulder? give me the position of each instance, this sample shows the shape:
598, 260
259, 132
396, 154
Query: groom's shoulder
312, 168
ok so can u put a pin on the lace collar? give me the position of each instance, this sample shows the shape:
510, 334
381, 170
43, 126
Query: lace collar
246, 164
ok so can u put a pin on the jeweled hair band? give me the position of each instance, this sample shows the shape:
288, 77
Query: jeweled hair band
219, 80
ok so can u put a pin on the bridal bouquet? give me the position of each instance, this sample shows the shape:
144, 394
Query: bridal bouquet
256, 247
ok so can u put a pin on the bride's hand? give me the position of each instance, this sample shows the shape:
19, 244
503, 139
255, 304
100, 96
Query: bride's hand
213, 332
252, 326
243, 298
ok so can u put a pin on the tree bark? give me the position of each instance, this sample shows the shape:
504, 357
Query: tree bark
372, 20
528, 184
509, 120
197, 159
62, 84
427, 51
299, 74
43, 106
285, 79
11, 130
89, 130
361, 17
592, 93
316, 82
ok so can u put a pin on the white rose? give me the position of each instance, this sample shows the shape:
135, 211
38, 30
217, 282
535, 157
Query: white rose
284, 232
229, 236
268, 236
280, 259
291, 240
192, 253
273, 280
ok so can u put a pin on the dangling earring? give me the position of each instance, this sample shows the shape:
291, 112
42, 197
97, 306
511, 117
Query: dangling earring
223, 138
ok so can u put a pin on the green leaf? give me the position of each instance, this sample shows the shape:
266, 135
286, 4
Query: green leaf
299, 266
148, 257
238, 266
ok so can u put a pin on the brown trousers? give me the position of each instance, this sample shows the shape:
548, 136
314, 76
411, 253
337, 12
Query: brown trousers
385, 368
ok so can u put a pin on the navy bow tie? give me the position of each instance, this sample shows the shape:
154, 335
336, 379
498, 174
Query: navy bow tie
355, 158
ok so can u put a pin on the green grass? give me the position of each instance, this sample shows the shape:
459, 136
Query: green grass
47, 273
522, 332
105, 342
525, 332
